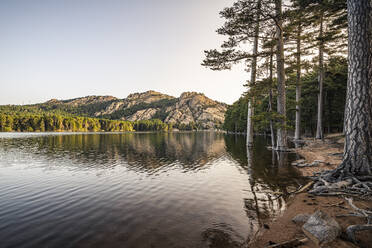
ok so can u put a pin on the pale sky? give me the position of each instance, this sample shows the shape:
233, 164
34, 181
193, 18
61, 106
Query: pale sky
71, 48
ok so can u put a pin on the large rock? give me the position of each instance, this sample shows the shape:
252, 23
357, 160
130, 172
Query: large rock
301, 218
321, 228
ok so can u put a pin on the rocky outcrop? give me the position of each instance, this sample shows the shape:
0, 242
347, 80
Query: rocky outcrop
190, 108
113, 107
144, 114
145, 97
197, 108
89, 100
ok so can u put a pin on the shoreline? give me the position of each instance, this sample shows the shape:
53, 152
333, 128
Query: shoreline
283, 229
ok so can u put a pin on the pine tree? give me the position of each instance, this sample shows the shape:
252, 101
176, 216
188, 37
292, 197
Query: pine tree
357, 159
244, 21
329, 22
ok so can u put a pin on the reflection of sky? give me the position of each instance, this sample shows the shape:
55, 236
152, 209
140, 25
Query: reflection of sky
69, 48
99, 185
47, 186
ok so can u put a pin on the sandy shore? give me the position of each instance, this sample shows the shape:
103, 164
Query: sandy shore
283, 229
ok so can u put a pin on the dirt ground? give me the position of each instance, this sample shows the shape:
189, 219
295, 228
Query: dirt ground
283, 229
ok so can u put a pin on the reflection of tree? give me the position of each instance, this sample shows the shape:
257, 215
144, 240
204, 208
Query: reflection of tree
222, 236
269, 174
137, 151
252, 205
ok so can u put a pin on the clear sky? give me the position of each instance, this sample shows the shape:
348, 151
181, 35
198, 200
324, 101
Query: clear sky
70, 48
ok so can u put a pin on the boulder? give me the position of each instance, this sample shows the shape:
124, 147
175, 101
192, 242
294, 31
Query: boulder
321, 228
300, 218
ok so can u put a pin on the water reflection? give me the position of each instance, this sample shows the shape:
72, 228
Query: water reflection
138, 190
146, 150
270, 178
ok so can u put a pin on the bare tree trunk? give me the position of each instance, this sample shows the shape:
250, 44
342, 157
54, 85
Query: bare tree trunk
357, 159
298, 84
282, 130
271, 100
319, 126
253, 79
329, 97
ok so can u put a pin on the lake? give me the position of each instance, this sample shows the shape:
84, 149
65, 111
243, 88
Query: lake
197, 189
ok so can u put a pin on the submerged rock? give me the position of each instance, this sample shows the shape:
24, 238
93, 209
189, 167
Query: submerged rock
321, 228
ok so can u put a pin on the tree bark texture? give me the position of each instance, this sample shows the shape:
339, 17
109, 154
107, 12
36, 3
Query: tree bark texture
271, 100
282, 131
319, 126
298, 84
253, 79
357, 156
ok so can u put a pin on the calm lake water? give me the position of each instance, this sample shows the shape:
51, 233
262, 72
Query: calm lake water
137, 189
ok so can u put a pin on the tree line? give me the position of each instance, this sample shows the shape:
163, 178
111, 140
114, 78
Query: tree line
24, 122
334, 102
293, 52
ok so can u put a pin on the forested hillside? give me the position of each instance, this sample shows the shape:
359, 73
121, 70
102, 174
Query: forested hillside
139, 111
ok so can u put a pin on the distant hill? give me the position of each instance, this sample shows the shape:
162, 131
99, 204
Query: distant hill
190, 107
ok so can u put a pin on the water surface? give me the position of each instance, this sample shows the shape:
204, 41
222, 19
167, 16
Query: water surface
137, 189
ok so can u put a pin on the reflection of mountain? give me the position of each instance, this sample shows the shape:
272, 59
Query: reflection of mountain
149, 194
138, 151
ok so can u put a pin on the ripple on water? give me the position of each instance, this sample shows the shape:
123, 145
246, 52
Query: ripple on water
134, 190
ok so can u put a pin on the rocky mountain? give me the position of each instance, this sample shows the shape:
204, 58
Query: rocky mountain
190, 107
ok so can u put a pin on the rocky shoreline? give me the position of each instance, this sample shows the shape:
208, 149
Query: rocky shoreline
315, 221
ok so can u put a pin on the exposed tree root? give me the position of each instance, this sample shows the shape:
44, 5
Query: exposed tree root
339, 183
290, 243
351, 230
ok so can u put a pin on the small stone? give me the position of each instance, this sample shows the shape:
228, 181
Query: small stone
315, 163
300, 218
321, 228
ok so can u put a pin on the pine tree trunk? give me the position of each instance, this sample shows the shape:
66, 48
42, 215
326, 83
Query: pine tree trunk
357, 159
282, 132
298, 84
253, 80
319, 126
271, 100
